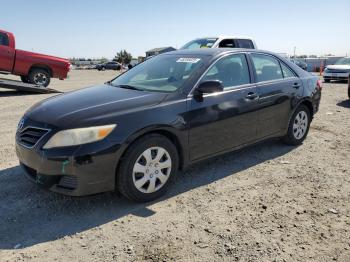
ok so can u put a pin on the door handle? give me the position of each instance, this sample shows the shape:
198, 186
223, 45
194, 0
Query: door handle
252, 95
296, 85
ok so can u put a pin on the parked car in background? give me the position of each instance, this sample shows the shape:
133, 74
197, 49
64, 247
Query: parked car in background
31, 67
339, 71
109, 66
221, 42
134, 132
299, 63
349, 87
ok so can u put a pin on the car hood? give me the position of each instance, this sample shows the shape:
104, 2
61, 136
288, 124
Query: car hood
339, 67
93, 105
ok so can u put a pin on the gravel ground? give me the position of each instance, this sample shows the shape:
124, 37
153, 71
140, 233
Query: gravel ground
269, 202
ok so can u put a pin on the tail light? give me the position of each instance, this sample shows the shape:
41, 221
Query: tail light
319, 85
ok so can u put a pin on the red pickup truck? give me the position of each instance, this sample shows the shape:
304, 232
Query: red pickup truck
31, 67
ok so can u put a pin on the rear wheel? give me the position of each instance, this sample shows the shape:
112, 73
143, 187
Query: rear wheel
39, 77
298, 126
24, 79
148, 168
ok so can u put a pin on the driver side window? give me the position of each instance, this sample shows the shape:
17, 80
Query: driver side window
4, 40
230, 71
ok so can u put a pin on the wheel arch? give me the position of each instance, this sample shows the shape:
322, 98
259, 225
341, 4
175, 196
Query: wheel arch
41, 66
309, 105
306, 102
166, 131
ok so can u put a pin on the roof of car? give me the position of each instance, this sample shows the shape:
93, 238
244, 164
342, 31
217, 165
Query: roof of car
226, 36
214, 51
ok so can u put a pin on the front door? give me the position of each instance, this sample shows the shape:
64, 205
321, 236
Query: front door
226, 119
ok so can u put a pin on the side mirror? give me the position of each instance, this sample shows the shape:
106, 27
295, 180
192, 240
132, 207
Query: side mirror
208, 87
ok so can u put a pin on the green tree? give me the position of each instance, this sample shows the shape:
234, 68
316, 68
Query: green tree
103, 60
123, 57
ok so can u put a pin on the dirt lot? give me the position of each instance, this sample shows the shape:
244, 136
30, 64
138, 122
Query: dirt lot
270, 202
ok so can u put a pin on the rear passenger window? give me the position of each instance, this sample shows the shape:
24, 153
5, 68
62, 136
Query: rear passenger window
4, 39
286, 71
245, 43
267, 68
231, 71
228, 43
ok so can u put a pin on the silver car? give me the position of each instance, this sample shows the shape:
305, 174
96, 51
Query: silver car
339, 71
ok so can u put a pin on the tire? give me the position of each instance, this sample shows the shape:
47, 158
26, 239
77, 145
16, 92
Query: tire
24, 79
39, 77
327, 80
103, 68
298, 127
134, 184
349, 89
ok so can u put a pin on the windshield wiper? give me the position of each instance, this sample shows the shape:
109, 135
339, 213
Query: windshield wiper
127, 87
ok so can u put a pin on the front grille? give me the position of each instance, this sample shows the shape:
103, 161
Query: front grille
30, 136
339, 71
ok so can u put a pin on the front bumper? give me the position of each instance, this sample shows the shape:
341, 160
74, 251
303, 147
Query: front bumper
78, 171
335, 76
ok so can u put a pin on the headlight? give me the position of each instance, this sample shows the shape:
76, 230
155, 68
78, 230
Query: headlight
79, 136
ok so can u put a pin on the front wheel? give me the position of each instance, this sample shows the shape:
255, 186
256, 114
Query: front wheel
148, 168
39, 77
298, 126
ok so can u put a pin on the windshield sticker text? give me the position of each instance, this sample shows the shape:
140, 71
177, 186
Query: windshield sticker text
188, 60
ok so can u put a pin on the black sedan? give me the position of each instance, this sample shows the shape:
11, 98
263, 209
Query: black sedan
134, 132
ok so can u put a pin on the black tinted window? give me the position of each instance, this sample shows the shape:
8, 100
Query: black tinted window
267, 68
4, 40
245, 43
231, 71
228, 43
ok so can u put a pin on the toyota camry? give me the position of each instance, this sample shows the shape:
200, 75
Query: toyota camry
134, 133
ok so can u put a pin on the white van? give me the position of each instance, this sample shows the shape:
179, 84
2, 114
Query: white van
221, 42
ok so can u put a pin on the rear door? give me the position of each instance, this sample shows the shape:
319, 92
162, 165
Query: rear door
278, 87
7, 54
225, 119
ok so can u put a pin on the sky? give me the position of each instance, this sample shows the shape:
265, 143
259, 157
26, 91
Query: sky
90, 28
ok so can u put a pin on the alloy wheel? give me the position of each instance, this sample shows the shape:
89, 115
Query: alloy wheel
300, 125
40, 78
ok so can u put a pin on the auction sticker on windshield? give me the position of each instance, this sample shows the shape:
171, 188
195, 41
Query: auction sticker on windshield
188, 60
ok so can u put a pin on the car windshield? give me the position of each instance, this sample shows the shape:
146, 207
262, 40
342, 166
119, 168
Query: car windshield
163, 73
343, 61
200, 43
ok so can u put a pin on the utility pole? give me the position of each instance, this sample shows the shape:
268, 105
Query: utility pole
295, 48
